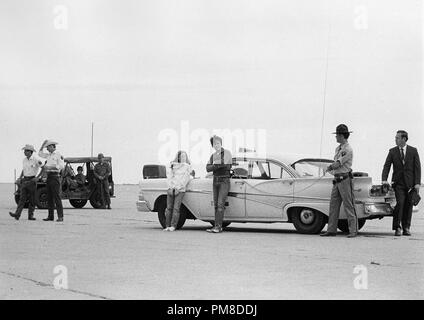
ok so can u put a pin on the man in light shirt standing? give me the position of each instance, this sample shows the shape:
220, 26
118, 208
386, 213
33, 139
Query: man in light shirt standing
27, 182
53, 166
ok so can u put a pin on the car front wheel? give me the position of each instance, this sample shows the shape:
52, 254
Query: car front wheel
162, 218
308, 221
41, 198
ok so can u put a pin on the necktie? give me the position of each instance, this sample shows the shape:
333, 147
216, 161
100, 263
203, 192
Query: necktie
402, 155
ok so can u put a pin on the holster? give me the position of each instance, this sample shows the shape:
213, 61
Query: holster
339, 177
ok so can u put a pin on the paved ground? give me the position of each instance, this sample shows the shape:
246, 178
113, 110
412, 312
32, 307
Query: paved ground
123, 254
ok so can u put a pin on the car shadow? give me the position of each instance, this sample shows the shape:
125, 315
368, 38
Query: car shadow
242, 230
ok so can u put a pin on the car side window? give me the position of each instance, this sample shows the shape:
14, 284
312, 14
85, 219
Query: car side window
278, 172
268, 170
240, 169
260, 170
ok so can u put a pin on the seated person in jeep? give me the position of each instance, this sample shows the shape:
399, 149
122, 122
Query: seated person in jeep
80, 177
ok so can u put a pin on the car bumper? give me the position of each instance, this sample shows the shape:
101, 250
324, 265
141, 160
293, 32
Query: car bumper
378, 209
142, 206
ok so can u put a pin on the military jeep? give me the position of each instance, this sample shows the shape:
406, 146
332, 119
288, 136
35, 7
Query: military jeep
78, 195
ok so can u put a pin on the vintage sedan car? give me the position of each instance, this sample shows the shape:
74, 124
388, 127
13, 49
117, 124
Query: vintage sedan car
272, 190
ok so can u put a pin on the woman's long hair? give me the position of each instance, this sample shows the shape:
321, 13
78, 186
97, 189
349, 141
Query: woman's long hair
178, 157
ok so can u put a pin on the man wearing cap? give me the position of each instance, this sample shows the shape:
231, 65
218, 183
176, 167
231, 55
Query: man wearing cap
101, 173
406, 178
27, 182
220, 164
54, 164
342, 190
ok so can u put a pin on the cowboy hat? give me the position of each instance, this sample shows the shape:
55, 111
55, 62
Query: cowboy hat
29, 147
49, 142
342, 128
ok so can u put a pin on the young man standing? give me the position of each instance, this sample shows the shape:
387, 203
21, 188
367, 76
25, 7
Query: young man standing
220, 164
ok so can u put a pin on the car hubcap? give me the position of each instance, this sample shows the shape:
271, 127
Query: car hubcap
307, 216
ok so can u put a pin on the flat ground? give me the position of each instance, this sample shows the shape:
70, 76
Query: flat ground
123, 254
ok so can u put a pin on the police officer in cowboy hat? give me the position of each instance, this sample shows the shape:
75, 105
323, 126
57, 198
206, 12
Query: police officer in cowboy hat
342, 190
27, 182
54, 164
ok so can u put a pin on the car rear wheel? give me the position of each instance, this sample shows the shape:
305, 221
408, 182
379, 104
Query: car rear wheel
78, 203
308, 221
162, 218
95, 200
344, 227
41, 198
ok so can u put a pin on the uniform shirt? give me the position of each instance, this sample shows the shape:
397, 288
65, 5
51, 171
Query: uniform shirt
344, 155
30, 166
54, 160
102, 169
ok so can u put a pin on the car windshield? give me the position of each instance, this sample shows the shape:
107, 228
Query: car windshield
312, 168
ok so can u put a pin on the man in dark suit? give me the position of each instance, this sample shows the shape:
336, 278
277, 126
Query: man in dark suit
406, 176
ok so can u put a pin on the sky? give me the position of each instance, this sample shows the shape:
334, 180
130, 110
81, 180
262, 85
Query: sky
158, 76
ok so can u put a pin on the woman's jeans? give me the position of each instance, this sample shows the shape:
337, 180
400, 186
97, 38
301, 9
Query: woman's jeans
172, 212
221, 187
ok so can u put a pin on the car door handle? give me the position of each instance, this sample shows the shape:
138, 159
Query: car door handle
239, 182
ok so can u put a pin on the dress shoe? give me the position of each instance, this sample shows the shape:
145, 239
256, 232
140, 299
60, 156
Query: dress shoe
31, 218
352, 235
59, 220
13, 215
48, 219
406, 232
398, 232
328, 234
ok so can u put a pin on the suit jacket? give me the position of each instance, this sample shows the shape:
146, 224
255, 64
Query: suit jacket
408, 174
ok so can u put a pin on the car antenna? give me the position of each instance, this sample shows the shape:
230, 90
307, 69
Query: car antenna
325, 82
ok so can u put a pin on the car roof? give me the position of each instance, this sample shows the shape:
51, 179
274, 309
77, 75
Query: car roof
85, 159
286, 158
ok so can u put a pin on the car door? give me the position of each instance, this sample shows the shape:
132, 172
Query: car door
235, 206
268, 189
